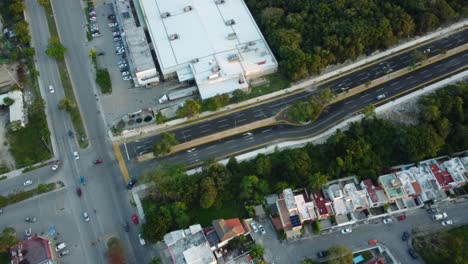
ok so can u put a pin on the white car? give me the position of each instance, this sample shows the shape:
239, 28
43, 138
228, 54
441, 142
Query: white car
262, 229
346, 231
112, 24
86, 216
95, 35
127, 78
254, 227
125, 73
51, 89
447, 222
123, 65
381, 96
75, 155
28, 182
387, 220
56, 165
115, 34
142, 241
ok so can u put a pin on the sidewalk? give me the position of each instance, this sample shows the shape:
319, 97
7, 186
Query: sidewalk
154, 129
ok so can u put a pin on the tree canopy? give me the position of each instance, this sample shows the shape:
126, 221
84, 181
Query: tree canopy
55, 49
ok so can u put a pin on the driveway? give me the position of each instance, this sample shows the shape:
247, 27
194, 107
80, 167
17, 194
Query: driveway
294, 251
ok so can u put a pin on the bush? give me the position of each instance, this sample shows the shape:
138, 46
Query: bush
8, 101
55, 49
103, 80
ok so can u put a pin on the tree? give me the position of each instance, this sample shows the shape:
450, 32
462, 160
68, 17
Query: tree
16, 7
66, 104
257, 251
317, 180
368, 110
55, 49
164, 145
297, 165
155, 261
158, 223
179, 213
263, 165
252, 187
44, 3
115, 251
8, 101
22, 31
160, 118
7, 239
208, 192
191, 108
340, 255
325, 96
236, 242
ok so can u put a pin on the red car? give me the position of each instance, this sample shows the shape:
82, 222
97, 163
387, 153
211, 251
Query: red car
78, 191
372, 242
98, 161
135, 219
401, 217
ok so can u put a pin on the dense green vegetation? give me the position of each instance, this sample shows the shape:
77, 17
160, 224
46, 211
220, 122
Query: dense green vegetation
308, 35
7, 239
365, 150
21, 196
448, 246
164, 145
103, 80
310, 110
55, 49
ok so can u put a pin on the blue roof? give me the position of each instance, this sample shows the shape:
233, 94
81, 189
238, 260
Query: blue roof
358, 259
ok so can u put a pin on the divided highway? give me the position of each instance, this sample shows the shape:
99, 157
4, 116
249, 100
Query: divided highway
242, 117
256, 139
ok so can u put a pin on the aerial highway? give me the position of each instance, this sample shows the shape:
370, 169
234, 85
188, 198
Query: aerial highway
204, 127
231, 146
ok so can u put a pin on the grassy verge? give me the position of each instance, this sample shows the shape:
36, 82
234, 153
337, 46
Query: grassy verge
66, 83
88, 32
275, 83
448, 246
21, 196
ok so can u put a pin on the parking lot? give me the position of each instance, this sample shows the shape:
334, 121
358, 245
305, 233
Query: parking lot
53, 218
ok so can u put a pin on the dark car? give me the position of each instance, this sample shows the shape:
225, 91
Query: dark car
412, 253
405, 236
78, 191
126, 227
111, 17
322, 254
101, 53
131, 183
432, 210
70, 133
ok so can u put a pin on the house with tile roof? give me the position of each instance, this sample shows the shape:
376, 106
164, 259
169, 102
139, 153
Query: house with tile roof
228, 229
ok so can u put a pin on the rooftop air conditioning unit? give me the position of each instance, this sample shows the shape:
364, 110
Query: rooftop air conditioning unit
195, 60
165, 14
231, 36
230, 22
233, 57
219, 2
251, 43
188, 8
173, 36
215, 69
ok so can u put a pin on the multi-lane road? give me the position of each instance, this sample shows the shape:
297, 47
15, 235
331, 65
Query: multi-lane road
270, 108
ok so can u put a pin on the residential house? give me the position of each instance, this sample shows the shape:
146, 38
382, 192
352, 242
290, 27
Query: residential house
392, 187
412, 189
456, 169
430, 189
228, 229
376, 196
323, 205
359, 199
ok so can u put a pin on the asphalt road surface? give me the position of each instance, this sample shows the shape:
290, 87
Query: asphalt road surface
389, 235
258, 112
255, 139
105, 189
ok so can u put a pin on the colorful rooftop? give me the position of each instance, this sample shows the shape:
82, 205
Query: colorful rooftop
392, 186
443, 177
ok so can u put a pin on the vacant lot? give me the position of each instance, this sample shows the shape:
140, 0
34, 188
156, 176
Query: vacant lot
444, 247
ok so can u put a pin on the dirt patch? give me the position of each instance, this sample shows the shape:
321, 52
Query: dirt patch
404, 113
5, 157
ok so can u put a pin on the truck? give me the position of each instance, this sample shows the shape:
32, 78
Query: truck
178, 94
439, 216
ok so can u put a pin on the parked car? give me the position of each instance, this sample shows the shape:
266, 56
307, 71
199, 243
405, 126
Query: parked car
401, 217
432, 210
254, 227
142, 241
387, 220
28, 232
56, 165
60, 247
125, 73
439, 216
70, 133
95, 35
28, 182
405, 236
78, 191
262, 229
115, 34
135, 219
122, 62
112, 24
126, 78
117, 38
447, 222
346, 231
322, 254
86, 216
92, 13
120, 52
111, 17
75, 155
101, 53
412, 253
64, 253
131, 183
98, 161
123, 65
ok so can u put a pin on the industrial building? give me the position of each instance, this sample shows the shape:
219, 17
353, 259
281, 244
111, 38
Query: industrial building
215, 43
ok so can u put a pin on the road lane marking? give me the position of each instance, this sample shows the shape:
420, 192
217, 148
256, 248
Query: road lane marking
205, 131
409, 77
126, 151
380, 89
220, 121
394, 83
364, 95
264, 131
225, 125
211, 147
123, 167
348, 102
240, 114
186, 131
205, 125
259, 115
242, 120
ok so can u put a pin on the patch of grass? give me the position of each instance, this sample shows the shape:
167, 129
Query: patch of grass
21, 196
67, 86
224, 208
275, 83
448, 246
103, 80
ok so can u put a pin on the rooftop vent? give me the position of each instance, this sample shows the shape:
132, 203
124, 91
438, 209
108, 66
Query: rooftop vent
188, 8
219, 2
233, 57
195, 60
165, 14
230, 22
231, 36
173, 36
251, 43
215, 68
